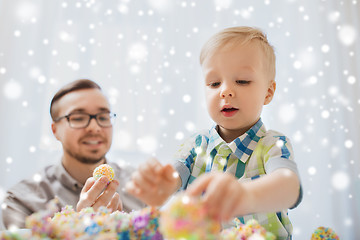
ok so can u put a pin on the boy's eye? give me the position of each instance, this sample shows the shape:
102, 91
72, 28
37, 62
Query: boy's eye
242, 82
214, 84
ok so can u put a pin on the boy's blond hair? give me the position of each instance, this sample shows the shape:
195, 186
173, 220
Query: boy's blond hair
230, 37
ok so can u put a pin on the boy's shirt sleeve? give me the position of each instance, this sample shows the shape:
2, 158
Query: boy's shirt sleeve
185, 157
279, 154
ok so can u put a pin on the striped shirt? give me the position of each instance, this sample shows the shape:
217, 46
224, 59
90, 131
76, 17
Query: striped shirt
252, 155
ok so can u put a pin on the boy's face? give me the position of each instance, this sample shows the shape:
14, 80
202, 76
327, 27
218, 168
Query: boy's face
237, 85
90, 144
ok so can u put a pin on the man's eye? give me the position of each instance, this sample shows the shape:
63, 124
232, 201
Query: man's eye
242, 82
78, 119
215, 84
104, 118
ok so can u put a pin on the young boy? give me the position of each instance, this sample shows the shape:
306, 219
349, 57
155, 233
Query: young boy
241, 169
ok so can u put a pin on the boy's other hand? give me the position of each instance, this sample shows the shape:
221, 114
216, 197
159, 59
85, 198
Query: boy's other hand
153, 183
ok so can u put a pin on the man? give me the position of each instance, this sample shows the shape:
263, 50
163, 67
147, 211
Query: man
82, 122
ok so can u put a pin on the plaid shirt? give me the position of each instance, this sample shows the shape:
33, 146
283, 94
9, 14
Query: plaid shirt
254, 154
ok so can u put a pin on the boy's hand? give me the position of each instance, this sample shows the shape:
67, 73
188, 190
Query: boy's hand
223, 194
153, 183
226, 197
98, 193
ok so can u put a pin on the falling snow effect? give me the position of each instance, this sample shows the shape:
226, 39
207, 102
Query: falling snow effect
340, 180
347, 34
145, 54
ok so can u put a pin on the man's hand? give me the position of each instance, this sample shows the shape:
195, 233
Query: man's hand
99, 193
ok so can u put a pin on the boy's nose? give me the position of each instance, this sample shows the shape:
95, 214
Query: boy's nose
226, 92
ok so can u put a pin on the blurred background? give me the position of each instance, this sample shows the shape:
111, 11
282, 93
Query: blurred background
145, 55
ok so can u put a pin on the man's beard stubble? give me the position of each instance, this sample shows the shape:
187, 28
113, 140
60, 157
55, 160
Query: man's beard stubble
86, 160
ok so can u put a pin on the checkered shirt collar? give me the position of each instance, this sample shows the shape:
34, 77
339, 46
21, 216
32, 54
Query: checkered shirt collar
244, 145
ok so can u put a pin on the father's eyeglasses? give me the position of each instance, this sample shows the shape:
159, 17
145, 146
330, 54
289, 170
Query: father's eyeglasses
82, 120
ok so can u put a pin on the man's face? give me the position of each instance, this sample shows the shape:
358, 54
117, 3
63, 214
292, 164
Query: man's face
236, 87
90, 144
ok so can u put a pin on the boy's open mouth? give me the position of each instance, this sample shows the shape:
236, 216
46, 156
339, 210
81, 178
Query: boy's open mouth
229, 109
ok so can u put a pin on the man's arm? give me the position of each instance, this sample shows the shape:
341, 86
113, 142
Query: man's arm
14, 212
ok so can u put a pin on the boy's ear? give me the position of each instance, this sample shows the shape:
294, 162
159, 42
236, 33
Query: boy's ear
270, 92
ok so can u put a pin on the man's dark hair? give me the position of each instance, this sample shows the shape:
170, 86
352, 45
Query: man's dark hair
71, 87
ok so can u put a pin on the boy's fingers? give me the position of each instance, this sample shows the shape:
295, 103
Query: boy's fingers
151, 166
215, 192
154, 164
150, 170
131, 188
142, 182
199, 185
170, 173
229, 207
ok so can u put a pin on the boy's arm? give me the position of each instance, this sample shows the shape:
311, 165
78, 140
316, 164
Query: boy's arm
154, 183
226, 197
274, 192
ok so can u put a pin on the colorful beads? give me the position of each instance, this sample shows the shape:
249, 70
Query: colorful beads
187, 218
90, 224
104, 170
251, 230
183, 218
324, 233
